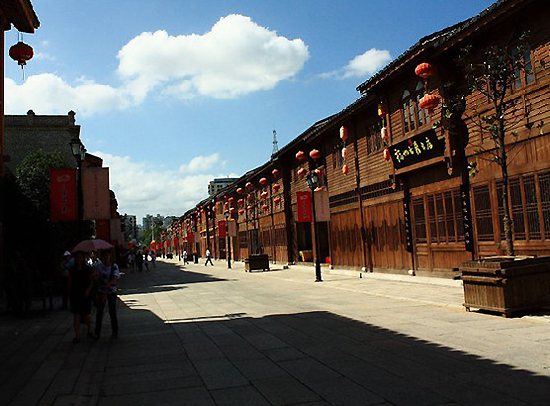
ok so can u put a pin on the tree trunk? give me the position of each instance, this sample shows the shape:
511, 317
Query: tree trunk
505, 201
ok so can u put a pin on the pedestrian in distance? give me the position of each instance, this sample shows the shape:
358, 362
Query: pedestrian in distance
184, 257
81, 283
146, 260
139, 261
63, 279
208, 258
153, 259
107, 274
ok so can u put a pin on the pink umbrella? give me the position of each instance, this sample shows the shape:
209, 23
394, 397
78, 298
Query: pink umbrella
92, 245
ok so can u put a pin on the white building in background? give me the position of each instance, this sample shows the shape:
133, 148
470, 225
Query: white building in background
218, 184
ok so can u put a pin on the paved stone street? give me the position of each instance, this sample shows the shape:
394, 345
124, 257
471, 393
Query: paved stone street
218, 336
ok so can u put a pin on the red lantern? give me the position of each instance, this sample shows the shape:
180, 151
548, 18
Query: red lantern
202, 210
318, 189
250, 197
240, 201
263, 181
302, 172
231, 199
277, 200
300, 155
241, 212
226, 205
343, 133
429, 101
232, 210
249, 185
249, 208
387, 154
315, 154
263, 195
382, 110
21, 53
345, 169
265, 207
424, 70
384, 134
319, 172
240, 190
275, 173
276, 187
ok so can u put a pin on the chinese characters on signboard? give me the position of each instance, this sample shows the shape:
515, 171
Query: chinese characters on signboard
419, 148
304, 207
407, 220
467, 218
63, 195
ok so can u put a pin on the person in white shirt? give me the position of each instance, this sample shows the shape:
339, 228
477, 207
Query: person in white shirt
184, 257
208, 258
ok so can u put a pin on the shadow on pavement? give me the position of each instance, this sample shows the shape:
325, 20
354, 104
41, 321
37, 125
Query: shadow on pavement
300, 358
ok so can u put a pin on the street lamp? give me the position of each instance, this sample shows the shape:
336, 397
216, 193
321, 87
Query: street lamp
79, 152
226, 214
312, 181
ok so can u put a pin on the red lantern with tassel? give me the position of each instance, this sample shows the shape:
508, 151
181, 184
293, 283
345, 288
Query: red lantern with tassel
387, 154
300, 155
382, 111
275, 173
264, 195
21, 53
249, 185
240, 190
276, 187
263, 181
345, 169
265, 207
384, 134
277, 200
302, 172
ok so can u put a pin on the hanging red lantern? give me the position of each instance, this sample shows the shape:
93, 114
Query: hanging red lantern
343, 133
429, 101
302, 172
202, 210
240, 190
275, 187
345, 169
249, 185
263, 181
265, 207
240, 201
315, 154
384, 134
231, 199
249, 197
277, 200
275, 173
21, 53
232, 210
382, 111
300, 155
264, 195
249, 208
226, 205
424, 70
387, 154
344, 152
319, 172
241, 212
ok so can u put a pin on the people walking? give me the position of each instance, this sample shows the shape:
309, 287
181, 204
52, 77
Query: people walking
107, 274
139, 261
146, 260
81, 283
153, 259
208, 258
184, 257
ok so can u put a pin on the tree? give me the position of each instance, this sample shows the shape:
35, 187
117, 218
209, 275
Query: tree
494, 74
33, 177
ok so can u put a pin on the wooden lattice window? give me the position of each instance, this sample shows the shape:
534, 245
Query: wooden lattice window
419, 220
374, 138
484, 217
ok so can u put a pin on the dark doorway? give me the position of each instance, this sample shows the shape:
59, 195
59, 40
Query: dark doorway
322, 234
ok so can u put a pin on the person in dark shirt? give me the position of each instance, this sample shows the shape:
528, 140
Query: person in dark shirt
81, 283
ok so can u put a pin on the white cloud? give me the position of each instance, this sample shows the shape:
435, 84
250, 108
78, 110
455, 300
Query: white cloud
362, 66
200, 163
141, 188
367, 64
236, 57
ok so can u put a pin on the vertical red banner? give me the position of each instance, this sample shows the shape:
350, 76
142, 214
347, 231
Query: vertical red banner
190, 237
221, 229
304, 207
95, 187
103, 230
63, 195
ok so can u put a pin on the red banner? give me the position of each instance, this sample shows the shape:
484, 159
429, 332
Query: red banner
221, 229
97, 200
304, 207
103, 229
190, 237
63, 205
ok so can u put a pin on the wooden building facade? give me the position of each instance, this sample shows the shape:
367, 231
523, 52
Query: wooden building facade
394, 192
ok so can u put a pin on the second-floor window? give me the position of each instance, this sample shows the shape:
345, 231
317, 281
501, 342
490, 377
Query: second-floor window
524, 76
413, 115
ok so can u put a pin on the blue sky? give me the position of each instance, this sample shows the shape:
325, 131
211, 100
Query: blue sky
172, 93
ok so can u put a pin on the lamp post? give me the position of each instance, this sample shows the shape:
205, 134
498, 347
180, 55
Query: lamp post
79, 152
312, 181
226, 214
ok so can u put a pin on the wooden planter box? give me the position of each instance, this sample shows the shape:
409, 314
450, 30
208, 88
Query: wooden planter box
506, 285
256, 261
